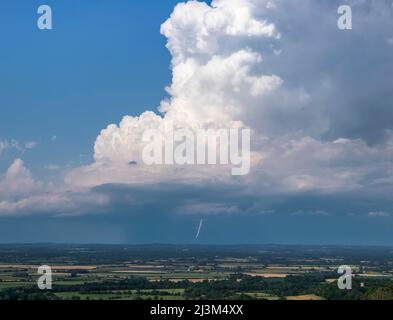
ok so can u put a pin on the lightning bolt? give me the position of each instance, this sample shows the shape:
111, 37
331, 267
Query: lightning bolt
199, 229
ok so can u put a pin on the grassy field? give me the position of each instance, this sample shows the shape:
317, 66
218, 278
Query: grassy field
304, 297
117, 272
25, 276
174, 294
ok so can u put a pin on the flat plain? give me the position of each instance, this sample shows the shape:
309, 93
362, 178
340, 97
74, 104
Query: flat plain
165, 272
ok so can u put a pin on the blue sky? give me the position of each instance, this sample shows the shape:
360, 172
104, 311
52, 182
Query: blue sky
319, 102
84, 74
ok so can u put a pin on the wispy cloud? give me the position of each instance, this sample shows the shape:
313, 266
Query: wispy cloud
320, 213
15, 144
379, 214
30, 144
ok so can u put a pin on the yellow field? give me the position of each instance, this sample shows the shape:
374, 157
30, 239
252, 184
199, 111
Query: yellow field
268, 275
138, 271
304, 297
30, 266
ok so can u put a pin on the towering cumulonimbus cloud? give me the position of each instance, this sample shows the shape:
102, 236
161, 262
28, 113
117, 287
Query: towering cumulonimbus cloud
318, 101
276, 67
217, 76
218, 82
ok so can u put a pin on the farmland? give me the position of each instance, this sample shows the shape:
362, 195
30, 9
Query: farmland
165, 272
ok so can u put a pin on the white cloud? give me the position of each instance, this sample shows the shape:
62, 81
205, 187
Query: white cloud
281, 68
317, 213
223, 63
18, 181
379, 214
213, 85
3, 145
207, 209
52, 167
198, 31
30, 144
21, 194
14, 144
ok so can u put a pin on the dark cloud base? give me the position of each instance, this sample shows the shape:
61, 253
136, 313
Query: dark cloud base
271, 229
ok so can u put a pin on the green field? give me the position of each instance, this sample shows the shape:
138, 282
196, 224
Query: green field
167, 273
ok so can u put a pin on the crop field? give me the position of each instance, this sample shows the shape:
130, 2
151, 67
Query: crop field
130, 273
